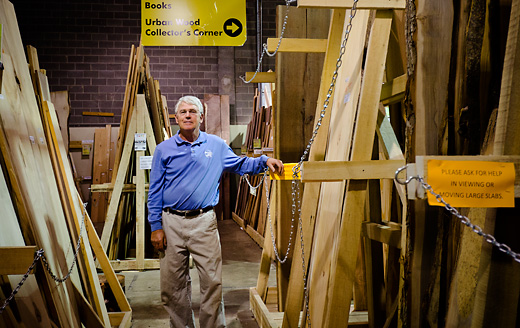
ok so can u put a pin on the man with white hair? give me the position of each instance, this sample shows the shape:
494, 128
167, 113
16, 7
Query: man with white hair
184, 181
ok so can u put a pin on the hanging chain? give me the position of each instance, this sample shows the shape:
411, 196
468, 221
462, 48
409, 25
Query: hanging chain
40, 254
295, 188
264, 47
286, 256
254, 188
464, 219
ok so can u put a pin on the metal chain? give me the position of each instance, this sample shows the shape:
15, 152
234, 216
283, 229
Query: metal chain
286, 256
297, 168
326, 103
261, 181
264, 47
464, 219
295, 188
40, 254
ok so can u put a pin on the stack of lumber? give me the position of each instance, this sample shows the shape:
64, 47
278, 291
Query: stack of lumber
124, 220
102, 164
41, 207
251, 208
367, 238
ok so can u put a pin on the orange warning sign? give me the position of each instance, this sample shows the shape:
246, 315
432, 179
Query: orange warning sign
472, 183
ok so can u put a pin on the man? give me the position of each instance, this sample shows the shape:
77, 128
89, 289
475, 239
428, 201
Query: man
184, 180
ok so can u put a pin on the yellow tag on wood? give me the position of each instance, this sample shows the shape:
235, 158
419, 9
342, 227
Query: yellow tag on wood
287, 173
257, 143
85, 149
472, 183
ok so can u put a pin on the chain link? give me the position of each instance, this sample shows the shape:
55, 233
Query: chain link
464, 219
259, 184
40, 254
264, 47
295, 187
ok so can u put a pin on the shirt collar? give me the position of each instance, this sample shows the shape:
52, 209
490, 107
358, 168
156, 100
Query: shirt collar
201, 139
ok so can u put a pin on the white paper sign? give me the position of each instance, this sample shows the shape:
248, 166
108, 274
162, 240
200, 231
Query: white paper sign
145, 162
140, 142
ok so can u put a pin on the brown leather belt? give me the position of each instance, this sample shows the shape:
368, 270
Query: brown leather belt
189, 212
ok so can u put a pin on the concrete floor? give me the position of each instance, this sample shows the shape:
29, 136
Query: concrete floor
241, 263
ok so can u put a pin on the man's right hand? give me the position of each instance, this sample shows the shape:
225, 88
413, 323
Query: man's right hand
159, 240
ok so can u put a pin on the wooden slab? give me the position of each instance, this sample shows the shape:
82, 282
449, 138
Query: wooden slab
297, 45
345, 252
343, 112
362, 4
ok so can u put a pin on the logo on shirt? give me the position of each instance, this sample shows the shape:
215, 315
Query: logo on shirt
208, 153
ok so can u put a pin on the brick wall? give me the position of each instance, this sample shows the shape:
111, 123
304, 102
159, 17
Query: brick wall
85, 46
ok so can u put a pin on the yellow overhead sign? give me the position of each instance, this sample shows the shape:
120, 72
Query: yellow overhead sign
193, 22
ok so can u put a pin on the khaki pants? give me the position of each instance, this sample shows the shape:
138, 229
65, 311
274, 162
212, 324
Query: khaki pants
199, 237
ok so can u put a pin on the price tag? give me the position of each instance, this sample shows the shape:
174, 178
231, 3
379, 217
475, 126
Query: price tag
140, 142
472, 183
145, 162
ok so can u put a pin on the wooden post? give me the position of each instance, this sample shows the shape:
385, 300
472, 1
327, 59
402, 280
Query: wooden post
345, 252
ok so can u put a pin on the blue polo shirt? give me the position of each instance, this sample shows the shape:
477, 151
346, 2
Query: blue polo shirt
186, 176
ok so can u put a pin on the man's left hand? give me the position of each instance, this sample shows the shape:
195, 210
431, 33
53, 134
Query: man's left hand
275, 165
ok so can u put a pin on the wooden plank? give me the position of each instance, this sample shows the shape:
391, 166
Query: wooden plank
297, 45
475, 299
29, 298
344, 4
212, 117
297, 91
345, 252
261, 77
107, 187
328, 217
156, 112
100, 168
104, 265
118, 185
238, 220
61, 102
86, 313
346, 170
389, 234
258, 238
107, 114
94, 294
433, 74
140, 200
16, 260
260, 311
120, 319
21, 121
124, 265
312, 190
507, 141
225, 118
393, 91
136, 61
267, 257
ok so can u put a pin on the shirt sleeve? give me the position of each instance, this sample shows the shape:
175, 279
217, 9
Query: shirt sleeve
243, 165
155, 191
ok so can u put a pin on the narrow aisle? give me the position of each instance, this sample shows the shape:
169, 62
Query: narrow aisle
241, 262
